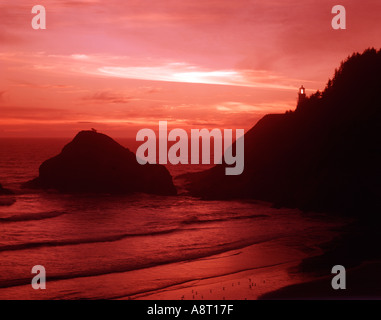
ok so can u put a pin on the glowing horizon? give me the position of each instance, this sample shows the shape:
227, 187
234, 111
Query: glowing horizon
123, 66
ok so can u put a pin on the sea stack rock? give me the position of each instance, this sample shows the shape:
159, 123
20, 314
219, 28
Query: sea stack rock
95, 163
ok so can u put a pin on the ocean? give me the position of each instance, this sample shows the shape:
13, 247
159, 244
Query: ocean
109, 247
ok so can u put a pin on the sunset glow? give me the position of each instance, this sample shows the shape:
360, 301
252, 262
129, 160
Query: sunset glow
121, 66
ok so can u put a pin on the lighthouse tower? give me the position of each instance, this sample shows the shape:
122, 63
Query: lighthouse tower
301, 96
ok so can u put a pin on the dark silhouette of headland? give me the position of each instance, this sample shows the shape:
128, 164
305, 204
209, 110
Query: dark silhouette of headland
93, 162
324, 156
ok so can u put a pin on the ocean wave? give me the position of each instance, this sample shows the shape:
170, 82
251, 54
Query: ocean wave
107, 238
150, 264
70, 242
32, 216
197, 220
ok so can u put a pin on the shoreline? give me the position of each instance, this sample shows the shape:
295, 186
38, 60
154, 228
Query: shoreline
274, 283
240, 285
229, 269
244, 282
308, 278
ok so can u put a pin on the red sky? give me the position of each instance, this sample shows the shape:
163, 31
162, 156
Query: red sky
120, 66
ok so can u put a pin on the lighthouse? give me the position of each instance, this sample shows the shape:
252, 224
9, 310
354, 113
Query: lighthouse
301, 97
302, 94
